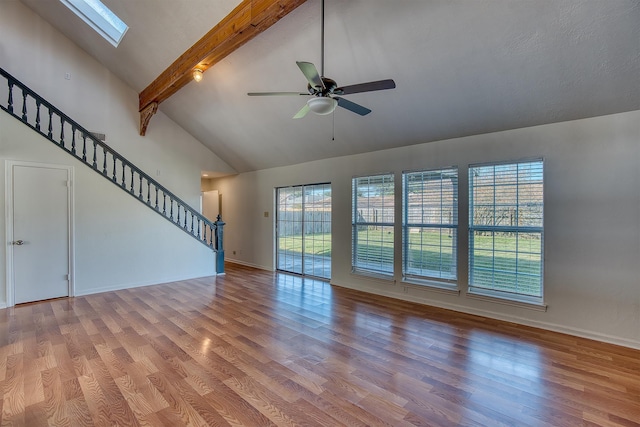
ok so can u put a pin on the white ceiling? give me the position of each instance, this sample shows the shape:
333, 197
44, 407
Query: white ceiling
462, 67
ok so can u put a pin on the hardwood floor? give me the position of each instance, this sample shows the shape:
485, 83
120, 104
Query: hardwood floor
254, 348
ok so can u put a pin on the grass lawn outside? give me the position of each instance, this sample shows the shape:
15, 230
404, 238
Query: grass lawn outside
497, 265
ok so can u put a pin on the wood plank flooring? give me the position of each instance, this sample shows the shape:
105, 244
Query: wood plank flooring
254, 348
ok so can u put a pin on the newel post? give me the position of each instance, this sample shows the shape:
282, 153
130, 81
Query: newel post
219, 245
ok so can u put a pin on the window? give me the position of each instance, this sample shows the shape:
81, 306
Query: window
506, 230
303, 230
430, 225
372, 224
99, 17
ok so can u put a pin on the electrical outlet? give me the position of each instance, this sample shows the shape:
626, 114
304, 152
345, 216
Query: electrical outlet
266, 214
67, 76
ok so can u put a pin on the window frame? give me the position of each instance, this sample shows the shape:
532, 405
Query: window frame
306, 258
99, 17
356, 223
510, 296
451, 282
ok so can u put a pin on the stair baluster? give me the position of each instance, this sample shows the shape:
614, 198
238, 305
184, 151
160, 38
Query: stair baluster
104, 162
73, 140
24, 105
200, 228
50, 133
95, 154
10, 100
62, 132
38, 115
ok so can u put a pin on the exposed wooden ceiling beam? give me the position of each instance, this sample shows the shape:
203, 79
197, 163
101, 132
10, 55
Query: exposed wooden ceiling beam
247, 20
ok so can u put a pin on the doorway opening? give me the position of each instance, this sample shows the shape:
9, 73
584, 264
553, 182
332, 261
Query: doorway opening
303, 230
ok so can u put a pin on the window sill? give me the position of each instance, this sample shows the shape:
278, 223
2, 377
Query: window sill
379, 277
500, 298
431, 285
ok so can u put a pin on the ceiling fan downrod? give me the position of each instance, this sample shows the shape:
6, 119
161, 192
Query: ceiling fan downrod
322, 42
325, 92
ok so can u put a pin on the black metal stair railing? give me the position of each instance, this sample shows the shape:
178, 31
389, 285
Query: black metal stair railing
41, 116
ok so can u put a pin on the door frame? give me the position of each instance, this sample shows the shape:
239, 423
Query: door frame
10, 279
303, 222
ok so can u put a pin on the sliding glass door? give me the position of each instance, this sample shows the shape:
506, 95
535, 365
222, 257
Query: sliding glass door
303, 230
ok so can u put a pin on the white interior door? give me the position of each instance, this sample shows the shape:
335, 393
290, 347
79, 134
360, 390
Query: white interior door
40, 232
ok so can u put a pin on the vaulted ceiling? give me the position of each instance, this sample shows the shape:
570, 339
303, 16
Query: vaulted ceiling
462, 67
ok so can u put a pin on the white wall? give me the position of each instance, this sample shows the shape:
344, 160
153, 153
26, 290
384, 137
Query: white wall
119, 242
39, 56
592, 220
592, 212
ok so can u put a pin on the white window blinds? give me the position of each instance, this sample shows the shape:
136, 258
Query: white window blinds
430, 224
372, 224
506, 229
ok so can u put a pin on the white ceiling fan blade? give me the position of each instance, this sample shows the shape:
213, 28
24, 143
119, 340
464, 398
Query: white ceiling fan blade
276, 94
303, 112
311, 73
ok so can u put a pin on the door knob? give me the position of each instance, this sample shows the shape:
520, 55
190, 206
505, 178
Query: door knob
18, 242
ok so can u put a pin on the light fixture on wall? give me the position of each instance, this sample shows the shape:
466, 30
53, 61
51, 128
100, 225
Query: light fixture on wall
197, 75
322, 105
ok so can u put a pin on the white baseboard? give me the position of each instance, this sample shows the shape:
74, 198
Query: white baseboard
248, 264
3, 305
569, 330
122, 286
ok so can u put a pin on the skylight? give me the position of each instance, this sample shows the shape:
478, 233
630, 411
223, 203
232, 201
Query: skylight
100, 18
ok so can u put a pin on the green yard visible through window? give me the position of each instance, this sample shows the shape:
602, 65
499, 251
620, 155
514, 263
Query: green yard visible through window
489, 268
303, 230
430, 225
372, 224
506, 229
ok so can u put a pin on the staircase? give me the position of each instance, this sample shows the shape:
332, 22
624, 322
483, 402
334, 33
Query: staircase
41, 116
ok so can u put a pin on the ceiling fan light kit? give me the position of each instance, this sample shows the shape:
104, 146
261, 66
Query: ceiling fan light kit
322, 105
324, 90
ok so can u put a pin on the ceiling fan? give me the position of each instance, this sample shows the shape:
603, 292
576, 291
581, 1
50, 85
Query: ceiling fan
325, 91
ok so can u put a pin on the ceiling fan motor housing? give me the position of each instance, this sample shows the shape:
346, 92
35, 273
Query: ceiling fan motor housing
330, 86
325, 91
